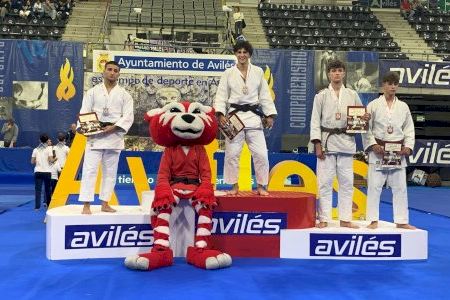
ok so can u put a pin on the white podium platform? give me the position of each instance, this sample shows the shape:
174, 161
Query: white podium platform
71, 235
333, 242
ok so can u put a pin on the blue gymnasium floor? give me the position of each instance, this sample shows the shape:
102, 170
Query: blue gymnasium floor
26, 273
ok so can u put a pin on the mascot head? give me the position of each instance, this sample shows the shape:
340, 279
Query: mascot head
182, 123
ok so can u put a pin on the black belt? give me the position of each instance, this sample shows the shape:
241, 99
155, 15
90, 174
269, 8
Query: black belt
332, 131
104, 124
184, 180
254, 108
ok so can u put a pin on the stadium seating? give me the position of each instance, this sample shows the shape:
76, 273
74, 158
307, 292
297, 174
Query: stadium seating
15, 27
325, 27
434, 28
199, 14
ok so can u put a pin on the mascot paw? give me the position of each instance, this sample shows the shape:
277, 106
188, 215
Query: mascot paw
207, 258
155, 259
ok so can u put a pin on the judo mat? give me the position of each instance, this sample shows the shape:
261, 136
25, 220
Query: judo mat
27, 274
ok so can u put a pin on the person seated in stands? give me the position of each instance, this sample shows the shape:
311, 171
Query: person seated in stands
70, 135
417, 8
38, 9
49, 9
16, 4
405, 8
5, 6
25, 11
128, 45
63, 9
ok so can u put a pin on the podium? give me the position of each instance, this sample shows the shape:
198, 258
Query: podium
245, 225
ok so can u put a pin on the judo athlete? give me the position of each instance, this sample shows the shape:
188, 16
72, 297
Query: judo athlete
244, 91
114, 108
391, 122
334, 148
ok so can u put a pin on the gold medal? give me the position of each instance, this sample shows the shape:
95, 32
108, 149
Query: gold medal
338, 116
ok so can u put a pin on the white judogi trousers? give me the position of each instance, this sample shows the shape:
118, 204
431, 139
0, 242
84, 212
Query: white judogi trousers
396, 179
257, 144
342, 166
109, 158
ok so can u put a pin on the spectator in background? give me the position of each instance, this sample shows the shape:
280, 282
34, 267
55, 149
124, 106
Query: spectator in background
239, 22
25, 11
416, 8
49, 9
5, 6
41, 157
405, 8
38, 9
10, 131
61, 150
16, 4
55, 169
71, 134
63, 9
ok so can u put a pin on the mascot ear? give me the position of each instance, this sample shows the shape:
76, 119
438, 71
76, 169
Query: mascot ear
151, 113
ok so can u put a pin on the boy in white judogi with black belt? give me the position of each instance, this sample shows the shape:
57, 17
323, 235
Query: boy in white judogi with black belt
114, 108
243, 90
333, 147
391, 122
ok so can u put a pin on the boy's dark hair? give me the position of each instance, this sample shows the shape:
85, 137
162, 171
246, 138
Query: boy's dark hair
43, 138
243, 45
111, 62
335, 64
391, 77
61, 137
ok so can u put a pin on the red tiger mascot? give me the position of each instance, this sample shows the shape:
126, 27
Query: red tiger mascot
184, 173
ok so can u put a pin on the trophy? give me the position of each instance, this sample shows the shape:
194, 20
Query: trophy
233, 127
89, 124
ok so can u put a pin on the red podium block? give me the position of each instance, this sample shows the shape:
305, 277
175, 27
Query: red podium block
249, 225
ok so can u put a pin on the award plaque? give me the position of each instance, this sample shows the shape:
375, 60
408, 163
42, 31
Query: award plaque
391, 158
89, 124
355, 121
233, 127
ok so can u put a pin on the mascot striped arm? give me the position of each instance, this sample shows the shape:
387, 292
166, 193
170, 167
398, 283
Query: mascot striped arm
184, 173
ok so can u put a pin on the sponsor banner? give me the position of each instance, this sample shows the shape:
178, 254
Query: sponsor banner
418, 74
164, 63
242, 223
434, 153
385, 243
41, 86
355, 245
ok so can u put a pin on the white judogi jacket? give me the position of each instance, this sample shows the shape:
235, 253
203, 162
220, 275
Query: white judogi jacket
230, 91
399, 117
120, 112
326, 105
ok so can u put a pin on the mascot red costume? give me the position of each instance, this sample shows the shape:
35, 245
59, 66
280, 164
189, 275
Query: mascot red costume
184, 173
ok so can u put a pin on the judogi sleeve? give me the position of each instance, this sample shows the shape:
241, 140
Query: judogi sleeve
127, 118
368, 138
316, 115
265, 98
408, 129
222, 94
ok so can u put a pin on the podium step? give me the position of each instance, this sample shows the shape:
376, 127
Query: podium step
384, 243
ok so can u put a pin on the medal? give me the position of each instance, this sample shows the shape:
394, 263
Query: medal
338, 116
245, 90
105, 111
390, 129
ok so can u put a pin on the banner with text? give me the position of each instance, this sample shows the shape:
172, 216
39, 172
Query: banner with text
41, 86
419, 74
434, 153
164, 63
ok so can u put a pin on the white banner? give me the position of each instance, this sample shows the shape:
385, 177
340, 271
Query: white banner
164, 63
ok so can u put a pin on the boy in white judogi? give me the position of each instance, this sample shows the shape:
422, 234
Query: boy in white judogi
243, 90
391, 122
114, 108
333, 147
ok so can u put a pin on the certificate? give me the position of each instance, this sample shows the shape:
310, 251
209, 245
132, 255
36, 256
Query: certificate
233, 127
391, 158
355, 121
